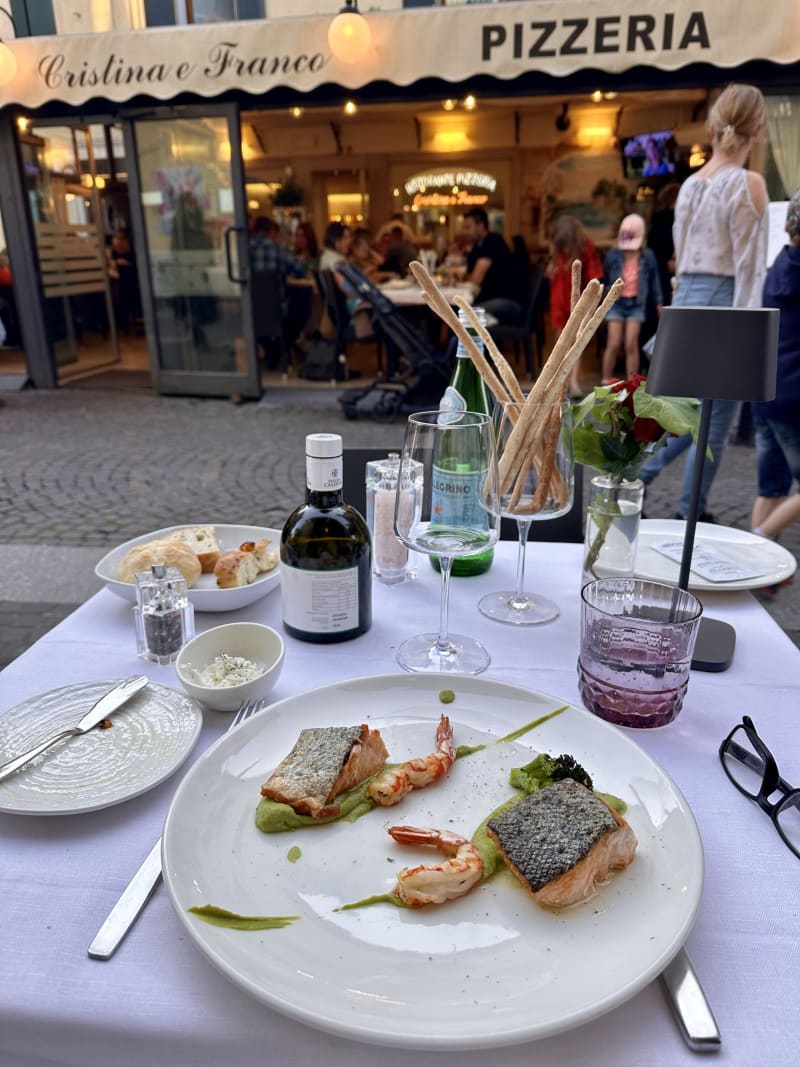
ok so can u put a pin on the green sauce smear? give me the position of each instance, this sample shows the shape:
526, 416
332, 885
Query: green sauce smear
378, 898
294, 854
273, 817
516, 734
446, 696
209, 913
468, 750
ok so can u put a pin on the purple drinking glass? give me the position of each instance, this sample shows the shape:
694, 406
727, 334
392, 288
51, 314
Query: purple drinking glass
637, 640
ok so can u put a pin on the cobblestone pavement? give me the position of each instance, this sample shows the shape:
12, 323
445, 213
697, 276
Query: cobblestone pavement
83, 470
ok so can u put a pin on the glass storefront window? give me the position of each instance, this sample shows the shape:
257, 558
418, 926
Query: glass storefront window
177, 12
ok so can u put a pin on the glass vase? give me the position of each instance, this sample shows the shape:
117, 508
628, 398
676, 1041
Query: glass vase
612, 528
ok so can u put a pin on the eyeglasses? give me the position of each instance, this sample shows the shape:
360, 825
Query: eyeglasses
752, 768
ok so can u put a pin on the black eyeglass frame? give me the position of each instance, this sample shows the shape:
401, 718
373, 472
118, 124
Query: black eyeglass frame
771, 781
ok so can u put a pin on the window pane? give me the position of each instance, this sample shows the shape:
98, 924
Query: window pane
159, 12
213, 10
33, 18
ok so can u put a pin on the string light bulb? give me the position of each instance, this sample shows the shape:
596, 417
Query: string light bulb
350, 107
349, 35
470, 102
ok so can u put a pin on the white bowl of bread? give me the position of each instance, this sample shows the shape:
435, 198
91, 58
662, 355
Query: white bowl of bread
226, 652
226, 567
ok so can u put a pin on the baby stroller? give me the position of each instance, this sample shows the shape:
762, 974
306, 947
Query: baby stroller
420, 388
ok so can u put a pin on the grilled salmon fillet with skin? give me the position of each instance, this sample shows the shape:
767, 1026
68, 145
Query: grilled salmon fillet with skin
561, 841
325, 762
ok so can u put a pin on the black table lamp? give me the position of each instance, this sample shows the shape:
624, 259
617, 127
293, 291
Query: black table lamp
713, 354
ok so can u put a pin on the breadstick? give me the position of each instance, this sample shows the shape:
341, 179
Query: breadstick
576, 284
494, 383
502, 366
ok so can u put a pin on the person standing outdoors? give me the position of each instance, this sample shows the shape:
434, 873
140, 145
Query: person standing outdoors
569, 242
491, 270
638, 269
720, 234
777, 423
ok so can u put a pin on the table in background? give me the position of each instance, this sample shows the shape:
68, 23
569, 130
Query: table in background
158, 1001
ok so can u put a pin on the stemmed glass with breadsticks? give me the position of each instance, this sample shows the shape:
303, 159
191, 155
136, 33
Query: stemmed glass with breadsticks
536, 483
534, 447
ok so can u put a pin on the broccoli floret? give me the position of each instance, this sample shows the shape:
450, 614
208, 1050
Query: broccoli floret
565, 766
544, 770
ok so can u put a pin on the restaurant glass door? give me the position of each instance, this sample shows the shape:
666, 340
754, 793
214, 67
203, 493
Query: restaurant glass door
189, 218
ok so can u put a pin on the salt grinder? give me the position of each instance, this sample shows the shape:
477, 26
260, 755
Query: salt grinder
164, 614
391, 562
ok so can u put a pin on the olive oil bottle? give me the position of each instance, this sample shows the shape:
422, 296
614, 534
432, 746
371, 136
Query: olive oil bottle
326, 556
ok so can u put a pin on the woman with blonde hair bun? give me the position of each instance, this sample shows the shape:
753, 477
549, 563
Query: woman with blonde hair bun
720, 235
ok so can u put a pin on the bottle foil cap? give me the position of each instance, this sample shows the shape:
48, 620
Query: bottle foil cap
323, 445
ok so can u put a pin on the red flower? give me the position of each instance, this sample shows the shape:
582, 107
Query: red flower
643, 429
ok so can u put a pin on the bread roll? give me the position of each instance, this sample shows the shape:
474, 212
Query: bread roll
172, 553
243, 565
203, 542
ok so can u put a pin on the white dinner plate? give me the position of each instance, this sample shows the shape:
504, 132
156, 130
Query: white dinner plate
747, 549
488, 969
150, 737
206, 594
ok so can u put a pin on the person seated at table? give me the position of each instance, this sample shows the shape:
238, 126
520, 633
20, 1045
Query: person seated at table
364, 256
491, 270
399, 253
306, 246
338, 242
396, 222
268, 254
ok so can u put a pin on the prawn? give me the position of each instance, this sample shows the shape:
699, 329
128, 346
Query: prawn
390, 786
435, 883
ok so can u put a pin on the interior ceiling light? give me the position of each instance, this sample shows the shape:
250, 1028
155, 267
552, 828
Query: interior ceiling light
350, 107
8, 61
470, 102
349, 35
597, 96
610, 95
295, 112
449, 104
23, 123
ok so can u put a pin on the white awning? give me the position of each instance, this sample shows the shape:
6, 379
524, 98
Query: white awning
502, 40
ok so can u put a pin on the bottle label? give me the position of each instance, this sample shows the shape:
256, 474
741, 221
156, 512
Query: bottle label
319, 602
451, 406
324, 475
455, 498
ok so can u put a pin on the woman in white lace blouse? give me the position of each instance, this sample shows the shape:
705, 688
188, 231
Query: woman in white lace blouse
720, 235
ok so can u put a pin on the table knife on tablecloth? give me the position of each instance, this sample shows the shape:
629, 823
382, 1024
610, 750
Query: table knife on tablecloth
689, 1005
105, 706
123, 915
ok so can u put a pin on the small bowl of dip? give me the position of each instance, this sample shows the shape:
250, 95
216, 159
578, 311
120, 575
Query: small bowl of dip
228, 664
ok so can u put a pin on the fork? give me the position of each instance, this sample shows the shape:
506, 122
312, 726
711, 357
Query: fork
141, 887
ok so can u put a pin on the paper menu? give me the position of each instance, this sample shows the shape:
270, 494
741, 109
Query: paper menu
709, 563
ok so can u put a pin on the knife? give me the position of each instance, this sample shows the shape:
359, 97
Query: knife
104, 707
122, 916
689, 1005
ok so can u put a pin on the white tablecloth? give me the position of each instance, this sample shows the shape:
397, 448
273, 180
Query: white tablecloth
158, 1001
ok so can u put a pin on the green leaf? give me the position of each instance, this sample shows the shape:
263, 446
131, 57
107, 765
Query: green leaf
677, 414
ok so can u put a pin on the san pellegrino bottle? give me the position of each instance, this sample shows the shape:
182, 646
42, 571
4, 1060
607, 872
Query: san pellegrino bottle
326, 556
466, 392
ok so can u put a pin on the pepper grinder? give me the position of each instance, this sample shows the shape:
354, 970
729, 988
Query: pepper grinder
164, 615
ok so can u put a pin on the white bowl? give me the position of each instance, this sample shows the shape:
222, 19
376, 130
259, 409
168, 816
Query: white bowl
259, 644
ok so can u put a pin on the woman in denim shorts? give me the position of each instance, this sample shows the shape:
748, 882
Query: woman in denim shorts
638, 268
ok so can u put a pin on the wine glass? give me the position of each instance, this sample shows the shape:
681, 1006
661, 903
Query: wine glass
525, 497
456, 513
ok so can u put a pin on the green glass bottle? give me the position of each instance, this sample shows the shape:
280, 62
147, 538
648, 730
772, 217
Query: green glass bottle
466, 392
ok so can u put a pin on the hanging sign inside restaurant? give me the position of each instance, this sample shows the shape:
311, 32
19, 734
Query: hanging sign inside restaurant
555, 37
